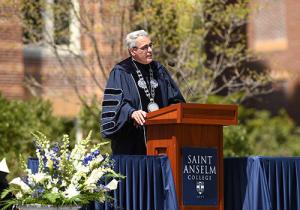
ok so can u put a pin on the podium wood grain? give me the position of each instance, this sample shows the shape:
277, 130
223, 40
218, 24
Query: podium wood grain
190, 125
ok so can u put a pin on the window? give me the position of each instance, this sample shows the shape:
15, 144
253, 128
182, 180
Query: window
51, 21
270, 26
62, 20
33, 22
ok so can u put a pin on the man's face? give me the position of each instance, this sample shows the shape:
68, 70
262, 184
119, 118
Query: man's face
142, 53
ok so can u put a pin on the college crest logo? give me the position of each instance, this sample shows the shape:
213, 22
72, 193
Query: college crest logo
200, 187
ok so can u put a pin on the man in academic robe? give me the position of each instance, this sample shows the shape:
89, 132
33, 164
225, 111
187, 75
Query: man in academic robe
136, 86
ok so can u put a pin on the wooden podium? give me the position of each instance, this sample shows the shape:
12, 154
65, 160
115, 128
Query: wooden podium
190, 125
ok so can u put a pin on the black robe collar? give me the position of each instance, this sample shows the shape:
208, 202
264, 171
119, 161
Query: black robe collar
128, 66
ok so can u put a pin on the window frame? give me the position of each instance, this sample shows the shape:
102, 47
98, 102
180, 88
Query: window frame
47, 47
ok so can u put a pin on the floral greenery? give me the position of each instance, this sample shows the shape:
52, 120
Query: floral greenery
65, 177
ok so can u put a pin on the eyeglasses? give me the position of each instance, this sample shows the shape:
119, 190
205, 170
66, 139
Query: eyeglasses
145, 47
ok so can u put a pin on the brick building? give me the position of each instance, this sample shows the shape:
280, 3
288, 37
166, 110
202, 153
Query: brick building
273, 32
11, 56
41, 61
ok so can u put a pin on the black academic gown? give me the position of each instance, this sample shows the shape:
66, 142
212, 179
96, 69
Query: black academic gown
122, 96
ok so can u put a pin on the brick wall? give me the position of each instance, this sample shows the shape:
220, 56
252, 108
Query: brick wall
62, 86
11, 56
27, 70
283, 59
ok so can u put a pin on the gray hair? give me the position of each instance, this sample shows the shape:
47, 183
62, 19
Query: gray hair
131, 37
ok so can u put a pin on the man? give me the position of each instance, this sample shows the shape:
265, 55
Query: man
136, 85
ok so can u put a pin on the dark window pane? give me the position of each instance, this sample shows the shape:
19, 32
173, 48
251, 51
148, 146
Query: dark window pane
33, 22
62, 21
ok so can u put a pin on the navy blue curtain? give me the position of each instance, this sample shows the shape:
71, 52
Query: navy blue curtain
253, 183
262, 183
235, 182
148, 185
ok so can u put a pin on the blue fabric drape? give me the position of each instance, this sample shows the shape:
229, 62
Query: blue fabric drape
262, 183
235, 182
148, 185
253, 183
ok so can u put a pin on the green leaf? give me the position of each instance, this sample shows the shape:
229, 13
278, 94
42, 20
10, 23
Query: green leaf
52, 197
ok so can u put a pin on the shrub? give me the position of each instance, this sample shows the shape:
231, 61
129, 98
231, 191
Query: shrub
89, 118
260, 133
18, 119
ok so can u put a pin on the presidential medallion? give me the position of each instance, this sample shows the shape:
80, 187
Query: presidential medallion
152, 106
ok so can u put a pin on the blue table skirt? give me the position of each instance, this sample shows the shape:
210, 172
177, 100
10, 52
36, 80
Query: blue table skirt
148, 185
253, 183
262, 183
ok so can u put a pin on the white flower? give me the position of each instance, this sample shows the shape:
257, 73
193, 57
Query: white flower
49, 185
112, 185
77, 177
55, 181
19, 195
49, 163
96, 161
94, 176
18, 181
40, 177
71, 191
91, 187
63, 183
54, 190
80, 167
77, 153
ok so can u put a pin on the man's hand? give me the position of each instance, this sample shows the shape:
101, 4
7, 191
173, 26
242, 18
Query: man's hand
139, 117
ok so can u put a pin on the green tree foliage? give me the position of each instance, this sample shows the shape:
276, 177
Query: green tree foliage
202, 42
206, 42
89, 120
259, 133
18, 119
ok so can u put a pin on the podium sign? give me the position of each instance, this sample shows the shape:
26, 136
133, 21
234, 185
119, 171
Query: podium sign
199, 176
181, 130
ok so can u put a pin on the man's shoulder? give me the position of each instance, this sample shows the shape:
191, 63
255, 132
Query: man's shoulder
123, 66
158, 67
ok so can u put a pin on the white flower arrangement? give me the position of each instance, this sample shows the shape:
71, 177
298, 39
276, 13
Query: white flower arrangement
65, 177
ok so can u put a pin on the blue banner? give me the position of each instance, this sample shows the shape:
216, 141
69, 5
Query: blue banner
199, 176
